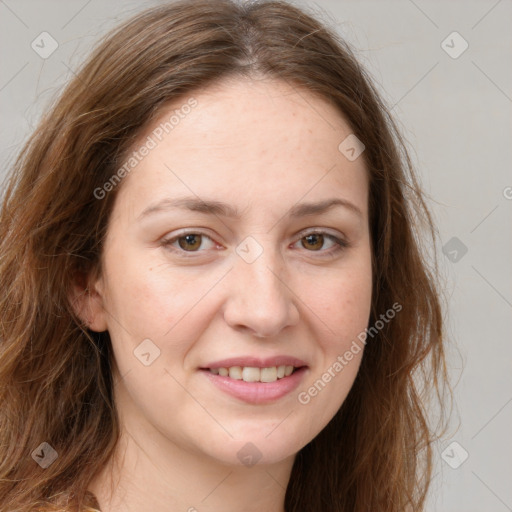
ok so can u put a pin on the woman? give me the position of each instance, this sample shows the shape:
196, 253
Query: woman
213, 283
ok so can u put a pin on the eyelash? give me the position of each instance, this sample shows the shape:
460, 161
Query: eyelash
340, 244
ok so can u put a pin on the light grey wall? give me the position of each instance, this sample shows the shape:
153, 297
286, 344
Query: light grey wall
455, 111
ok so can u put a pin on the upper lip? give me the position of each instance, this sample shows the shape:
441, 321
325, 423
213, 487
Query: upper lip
257, 362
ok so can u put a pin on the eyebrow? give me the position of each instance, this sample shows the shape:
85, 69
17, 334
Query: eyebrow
225, 210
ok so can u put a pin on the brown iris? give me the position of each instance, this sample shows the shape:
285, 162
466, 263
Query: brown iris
315, 240
190, 242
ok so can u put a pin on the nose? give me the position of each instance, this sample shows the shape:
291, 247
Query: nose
260, 301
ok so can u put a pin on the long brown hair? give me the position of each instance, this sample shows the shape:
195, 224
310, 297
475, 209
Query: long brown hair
55, 374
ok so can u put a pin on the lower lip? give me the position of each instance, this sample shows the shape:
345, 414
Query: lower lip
257, 392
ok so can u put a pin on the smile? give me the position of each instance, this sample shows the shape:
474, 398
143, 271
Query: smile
254, 374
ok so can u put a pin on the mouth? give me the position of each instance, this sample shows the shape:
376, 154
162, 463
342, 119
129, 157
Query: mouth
255, 374
256, 385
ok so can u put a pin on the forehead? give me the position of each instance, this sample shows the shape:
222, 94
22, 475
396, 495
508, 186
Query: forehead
255, 141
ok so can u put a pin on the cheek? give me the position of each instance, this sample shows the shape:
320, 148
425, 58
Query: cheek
152, 300
343, 302
143, 293
344, 307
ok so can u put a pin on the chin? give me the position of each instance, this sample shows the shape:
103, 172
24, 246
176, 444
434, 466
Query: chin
250, 451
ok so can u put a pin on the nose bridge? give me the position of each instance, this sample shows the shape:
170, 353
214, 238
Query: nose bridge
259, 300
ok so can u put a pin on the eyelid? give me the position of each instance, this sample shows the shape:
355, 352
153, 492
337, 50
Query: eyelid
321, 231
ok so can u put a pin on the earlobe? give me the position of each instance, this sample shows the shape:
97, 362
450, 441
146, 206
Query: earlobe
87, 302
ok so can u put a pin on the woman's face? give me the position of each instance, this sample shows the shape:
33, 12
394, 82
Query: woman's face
211, 261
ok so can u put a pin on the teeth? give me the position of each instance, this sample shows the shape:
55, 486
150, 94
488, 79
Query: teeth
268, 374
235, 372
252, 374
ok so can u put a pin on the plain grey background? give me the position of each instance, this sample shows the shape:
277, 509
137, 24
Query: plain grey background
454, 108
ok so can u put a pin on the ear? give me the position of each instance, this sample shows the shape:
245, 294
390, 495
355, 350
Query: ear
87, 300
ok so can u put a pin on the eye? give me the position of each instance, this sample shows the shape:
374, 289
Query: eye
314, 242
189, 242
